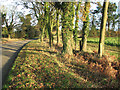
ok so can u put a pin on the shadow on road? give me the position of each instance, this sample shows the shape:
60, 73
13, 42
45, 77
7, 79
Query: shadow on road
7, 67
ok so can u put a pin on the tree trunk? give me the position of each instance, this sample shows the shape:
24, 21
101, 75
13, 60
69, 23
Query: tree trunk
108, 26
76, 24
73, 21
47, 19
102, 28
42, 34
58, 37
85, 30
66, 33
108, 29
50, 33
9, 36
48, 24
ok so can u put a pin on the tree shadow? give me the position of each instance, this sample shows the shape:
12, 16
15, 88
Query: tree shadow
7, 67
51, 52
9, 49
58, 48
11, 45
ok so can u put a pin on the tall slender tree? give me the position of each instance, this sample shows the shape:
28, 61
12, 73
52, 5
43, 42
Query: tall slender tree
111, 10
59, 12
112, 16
58, 25
75, 32
85, 29
42, 24
72, 23
52, 24
49, 14
102, 28
47, 22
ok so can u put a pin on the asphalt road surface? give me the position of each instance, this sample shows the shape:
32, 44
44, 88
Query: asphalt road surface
9, 52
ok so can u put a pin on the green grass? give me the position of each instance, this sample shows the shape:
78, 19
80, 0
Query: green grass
37, 67
111, 45
111, 50
113, 41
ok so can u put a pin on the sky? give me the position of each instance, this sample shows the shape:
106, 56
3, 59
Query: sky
10, 3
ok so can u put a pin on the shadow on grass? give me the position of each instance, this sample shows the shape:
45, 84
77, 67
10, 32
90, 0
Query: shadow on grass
59, 48
51, 52
97, 78
84, 72
91, 75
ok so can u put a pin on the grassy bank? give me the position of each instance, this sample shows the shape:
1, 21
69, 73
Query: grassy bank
38, 66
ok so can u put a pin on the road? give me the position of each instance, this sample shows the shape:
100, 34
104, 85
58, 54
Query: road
8, 54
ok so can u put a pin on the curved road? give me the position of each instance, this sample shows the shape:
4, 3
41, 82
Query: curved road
8, 54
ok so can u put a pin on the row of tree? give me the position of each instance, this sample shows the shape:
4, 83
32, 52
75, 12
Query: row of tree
51, 16
23, 30
50, 13
8, 30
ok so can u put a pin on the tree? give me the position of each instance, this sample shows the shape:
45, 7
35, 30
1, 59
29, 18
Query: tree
52, 19
9, 20
58, 37
58, 7
93, 31
49, 23
39, 11
85, 29
102, 28
26, 27
112, 16
3, 16
76, 23
10, 24
37, 31
66, 28
4, 29
4, 32
72, 15
0, 26
114, 21
42, 26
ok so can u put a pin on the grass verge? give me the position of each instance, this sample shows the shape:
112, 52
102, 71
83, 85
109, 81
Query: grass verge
38, 66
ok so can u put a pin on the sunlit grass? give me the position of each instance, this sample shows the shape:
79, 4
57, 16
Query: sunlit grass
113, 41
32, 68
37, 67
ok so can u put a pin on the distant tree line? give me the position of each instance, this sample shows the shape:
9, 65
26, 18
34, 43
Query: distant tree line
25, 30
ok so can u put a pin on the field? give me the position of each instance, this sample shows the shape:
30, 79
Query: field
38, 66
113, 41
